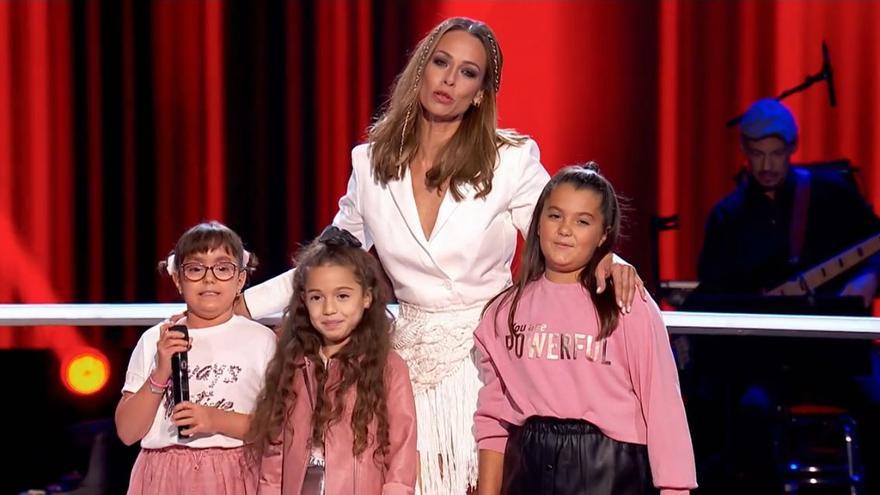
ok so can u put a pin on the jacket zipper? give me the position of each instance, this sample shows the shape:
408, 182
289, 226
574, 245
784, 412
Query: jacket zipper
355, 480
307, 378
324, 448
308, 383
355, 460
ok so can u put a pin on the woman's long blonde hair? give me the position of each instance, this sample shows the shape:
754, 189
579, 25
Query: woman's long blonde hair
470, 155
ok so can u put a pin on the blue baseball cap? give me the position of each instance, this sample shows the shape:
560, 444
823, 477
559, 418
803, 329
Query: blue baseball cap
767, 117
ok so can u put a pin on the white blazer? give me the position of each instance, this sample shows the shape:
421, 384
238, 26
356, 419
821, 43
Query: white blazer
466, 260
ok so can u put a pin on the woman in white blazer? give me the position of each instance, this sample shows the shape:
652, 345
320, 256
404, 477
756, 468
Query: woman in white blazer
441, 192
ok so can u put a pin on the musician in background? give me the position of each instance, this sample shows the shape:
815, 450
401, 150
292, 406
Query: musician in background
782, 220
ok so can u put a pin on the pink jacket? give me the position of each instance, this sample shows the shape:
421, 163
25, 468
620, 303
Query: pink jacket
283, 470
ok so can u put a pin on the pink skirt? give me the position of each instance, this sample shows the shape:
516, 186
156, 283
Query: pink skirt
184, 470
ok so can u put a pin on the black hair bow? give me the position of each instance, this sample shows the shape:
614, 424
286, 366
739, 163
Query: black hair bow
333, 236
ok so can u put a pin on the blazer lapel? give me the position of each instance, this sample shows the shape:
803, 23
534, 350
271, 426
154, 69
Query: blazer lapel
448, 207
402, 194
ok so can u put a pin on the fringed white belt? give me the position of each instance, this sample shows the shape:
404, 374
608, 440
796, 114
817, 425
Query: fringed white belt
434, 343
437, 346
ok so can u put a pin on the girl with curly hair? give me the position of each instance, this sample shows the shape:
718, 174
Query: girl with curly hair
336, 414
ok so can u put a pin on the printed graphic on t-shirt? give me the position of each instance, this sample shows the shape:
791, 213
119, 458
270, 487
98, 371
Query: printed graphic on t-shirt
534, 341
205, 378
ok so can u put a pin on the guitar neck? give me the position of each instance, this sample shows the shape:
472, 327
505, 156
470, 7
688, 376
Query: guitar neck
809, 280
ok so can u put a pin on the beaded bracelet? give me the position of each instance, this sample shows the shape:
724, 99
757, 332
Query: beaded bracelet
158, 388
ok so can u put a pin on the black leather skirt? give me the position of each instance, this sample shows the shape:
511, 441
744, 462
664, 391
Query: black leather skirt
572, 457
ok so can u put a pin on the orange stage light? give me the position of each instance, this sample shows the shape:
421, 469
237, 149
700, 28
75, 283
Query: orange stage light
85, 371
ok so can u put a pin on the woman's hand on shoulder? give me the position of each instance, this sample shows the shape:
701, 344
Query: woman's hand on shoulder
625, 281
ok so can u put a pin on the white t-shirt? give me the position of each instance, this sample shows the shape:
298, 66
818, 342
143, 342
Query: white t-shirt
227, 364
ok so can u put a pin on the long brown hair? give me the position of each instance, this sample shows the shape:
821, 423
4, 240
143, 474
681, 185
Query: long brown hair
533, 263
361, 361
470, 155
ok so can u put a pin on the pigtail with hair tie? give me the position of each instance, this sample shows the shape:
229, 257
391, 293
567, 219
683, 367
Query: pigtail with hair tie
169, 264
333, 236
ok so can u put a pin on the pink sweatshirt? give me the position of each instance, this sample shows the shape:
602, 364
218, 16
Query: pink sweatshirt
627, 385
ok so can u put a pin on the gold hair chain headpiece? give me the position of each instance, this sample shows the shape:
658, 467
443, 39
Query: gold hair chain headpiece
420, 67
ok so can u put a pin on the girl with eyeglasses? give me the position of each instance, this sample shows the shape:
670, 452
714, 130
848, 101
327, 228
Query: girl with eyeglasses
227, 355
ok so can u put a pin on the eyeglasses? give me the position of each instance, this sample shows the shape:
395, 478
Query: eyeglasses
223, 271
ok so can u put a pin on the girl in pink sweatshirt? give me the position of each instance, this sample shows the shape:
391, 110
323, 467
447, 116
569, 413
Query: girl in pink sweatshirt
577, 397
336, 415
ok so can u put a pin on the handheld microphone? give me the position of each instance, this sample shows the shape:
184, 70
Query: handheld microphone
828, 74
180, 375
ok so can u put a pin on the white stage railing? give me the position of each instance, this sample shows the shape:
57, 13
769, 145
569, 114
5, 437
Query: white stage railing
678, 322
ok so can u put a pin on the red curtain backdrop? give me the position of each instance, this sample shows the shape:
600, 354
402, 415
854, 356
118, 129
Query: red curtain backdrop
36, 164
122, 123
